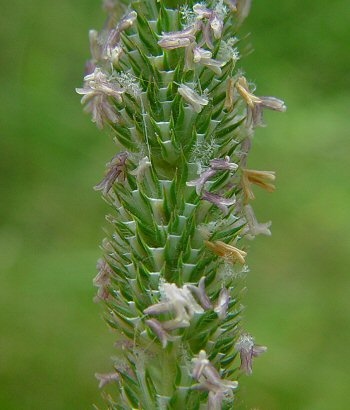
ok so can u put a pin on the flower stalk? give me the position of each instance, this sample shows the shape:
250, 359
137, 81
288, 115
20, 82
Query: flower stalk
162, 79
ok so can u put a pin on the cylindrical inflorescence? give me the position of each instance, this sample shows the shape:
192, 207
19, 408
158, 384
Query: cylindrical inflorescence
163, 79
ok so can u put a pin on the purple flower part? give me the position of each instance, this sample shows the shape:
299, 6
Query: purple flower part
102, 294
200, 363
247, 350
273, 103
255, 105
255, 116
201, 54
102, 111
215, 400
96, 92
183, 303
204, 57
187, 32
104, 273
222, 303
246, 361
189, 57
201, 181
158, 309
176, 324
245, 345
222, 203
90, 67
196, 101
173, 43
210, 380
254, 227
116, 169
217, 25
102, 280
201, 294
112, 40
107, 378
216, 164
113, 54
219, 386
255, 113
104, 46
127, 21
157, 328
177, 301
258, 350
220, 164
178, 39
218, 392
204, 369
211, 375
206, 36
95, 45
205, 372
98, 83
201, 11
213, 23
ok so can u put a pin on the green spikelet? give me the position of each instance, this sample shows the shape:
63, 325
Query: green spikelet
163, 79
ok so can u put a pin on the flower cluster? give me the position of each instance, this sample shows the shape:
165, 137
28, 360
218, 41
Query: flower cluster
222, 303
100, 88
204, 57
215, 165
222, 203
256, 105
98, 93
106, 378
116, 170
178, 301
107, 46
253, 227
247, 350
174, 100
182, 304
102, 280
203, 24
210, 380
196, 101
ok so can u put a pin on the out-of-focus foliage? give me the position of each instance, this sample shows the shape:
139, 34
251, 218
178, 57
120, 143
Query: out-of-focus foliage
52, 339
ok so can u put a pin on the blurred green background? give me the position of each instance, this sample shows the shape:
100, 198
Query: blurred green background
52, 338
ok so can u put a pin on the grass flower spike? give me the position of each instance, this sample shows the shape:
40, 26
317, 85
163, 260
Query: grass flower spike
163, 80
